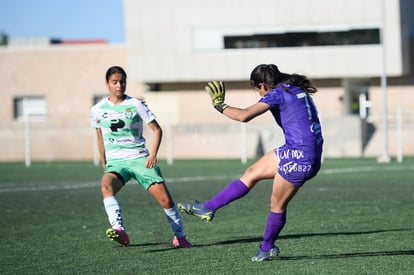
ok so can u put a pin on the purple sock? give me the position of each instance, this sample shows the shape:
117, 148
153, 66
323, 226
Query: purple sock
233, 191
274, 224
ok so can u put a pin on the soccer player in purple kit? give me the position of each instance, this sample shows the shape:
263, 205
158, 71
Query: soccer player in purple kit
288, 97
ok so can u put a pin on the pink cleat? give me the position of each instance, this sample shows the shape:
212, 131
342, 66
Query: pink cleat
181, 242
118, 235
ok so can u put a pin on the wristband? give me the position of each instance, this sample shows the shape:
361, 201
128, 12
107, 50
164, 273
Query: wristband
221, 107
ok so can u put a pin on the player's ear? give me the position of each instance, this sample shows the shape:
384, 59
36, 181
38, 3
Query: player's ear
262, 86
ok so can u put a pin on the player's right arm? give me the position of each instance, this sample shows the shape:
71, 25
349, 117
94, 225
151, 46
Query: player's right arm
101, 147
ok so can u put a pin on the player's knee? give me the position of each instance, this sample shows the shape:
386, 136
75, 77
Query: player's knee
250, 176
108, 186
165, 203
106, 189
277, 207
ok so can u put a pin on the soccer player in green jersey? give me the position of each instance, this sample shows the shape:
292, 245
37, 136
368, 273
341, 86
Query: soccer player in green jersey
118, 120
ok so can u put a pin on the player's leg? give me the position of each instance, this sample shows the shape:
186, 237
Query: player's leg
282, 193
161, 194
151, 180
264, 168
110, 185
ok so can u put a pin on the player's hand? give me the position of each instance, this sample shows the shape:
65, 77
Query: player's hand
151, 161
217, 92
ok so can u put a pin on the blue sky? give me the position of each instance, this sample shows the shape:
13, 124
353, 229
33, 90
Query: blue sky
64, 19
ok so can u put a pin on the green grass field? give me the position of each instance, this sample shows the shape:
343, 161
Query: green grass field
355, 217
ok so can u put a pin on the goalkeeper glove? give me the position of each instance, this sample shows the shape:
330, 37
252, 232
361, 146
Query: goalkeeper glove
217, 93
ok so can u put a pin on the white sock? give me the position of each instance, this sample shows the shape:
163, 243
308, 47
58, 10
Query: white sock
113, 210
175, 220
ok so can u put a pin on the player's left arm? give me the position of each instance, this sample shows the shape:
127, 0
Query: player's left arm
217, 92
155, 145
246, 114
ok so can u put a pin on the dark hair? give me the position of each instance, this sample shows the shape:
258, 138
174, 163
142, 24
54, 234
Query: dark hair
269, 75
113, 70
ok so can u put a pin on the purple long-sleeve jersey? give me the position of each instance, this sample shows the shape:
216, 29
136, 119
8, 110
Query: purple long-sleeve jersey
295, 112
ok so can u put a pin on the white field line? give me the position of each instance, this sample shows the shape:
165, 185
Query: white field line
77, 185
69, 185
364, 169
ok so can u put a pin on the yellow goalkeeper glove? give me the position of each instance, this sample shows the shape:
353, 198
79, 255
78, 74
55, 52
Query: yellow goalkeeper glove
217, 93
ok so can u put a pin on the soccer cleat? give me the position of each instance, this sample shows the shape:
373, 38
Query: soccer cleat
118, 235
263, 256
181, 243
197, 209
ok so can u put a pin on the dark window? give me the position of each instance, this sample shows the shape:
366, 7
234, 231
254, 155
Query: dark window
29, 107
300, 39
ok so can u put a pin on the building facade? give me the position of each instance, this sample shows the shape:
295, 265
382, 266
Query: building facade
174, 47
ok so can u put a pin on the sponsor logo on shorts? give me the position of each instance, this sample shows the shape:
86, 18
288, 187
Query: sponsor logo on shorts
293, 167
291, 154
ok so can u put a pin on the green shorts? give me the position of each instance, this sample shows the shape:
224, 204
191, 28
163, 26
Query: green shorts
136, 169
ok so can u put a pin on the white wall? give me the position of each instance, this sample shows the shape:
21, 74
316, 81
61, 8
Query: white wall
165, 38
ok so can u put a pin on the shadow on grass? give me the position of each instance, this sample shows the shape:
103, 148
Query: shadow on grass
298, 236
347, 255
335, 256
140, 245
131, 245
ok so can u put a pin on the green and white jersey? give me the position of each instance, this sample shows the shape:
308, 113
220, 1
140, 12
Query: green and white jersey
121, 126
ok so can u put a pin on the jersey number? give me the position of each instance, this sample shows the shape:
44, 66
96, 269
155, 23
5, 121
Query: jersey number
310, 106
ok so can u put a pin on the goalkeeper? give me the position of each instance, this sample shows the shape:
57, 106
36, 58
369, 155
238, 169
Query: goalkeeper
288, 97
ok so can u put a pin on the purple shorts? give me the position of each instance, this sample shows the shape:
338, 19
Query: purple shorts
297, 166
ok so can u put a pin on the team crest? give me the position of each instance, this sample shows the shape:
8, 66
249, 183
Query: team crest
128, 113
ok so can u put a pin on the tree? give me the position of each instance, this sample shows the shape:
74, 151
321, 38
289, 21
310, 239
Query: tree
4, 38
